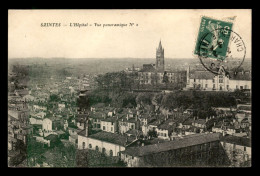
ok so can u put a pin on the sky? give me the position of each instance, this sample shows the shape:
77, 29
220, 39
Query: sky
177, 30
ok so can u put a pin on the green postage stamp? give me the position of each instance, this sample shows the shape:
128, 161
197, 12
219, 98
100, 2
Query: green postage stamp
213, 38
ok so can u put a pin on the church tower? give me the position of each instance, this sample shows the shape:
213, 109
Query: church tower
160, 58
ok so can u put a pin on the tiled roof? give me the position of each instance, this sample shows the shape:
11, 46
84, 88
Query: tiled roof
51, 137
99, 105
155, 122
96, 115
167, 125
131, 120
14, 114
148, 68
134, 132
109, 137
110, 119
236, 140
188, 122
240, 76
172, 145
22, 92
202, 75
200, 121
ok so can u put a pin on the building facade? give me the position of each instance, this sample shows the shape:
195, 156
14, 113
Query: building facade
156, 74
227, 81
194, 150
108, 143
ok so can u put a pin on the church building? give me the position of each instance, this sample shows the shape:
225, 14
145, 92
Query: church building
157, 74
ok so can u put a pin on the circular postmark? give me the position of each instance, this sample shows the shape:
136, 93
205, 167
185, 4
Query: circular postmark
221, 48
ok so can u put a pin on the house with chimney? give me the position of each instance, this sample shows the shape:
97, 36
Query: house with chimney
95, 119
109, 124
164, 130
128, 123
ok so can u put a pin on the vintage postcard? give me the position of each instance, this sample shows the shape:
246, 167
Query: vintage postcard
129, 88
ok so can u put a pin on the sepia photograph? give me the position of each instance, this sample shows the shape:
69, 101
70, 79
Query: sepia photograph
129, 88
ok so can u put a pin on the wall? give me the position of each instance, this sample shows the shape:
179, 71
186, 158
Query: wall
94, 142
47, 124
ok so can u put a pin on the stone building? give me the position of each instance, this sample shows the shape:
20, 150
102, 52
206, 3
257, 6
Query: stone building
157, 75
224, 81
193, 150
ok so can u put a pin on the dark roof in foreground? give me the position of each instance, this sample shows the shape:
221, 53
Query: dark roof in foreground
190, 140
243, 141
110, 137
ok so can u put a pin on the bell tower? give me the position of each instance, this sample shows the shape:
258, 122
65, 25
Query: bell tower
160, 57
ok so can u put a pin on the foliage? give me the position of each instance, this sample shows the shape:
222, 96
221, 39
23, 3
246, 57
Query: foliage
92, 158
144, 98
152, 133
54, 98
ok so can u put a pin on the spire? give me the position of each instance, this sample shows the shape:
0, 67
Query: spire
160, 46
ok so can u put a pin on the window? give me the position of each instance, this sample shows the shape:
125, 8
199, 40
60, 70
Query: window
104, 128
194, 80
227, 87
111, 128
220, 87
111, 153
206, 85
97, 148
244, 148
213, 80
246, 87
241, 87
90, 146
214, 86
83, 145
236, 86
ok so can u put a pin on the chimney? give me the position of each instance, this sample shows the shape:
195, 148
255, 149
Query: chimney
86, 129
127, 117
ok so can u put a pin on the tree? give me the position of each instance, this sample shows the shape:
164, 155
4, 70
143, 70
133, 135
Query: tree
165, 79
54, 98
144, 98
152, 134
